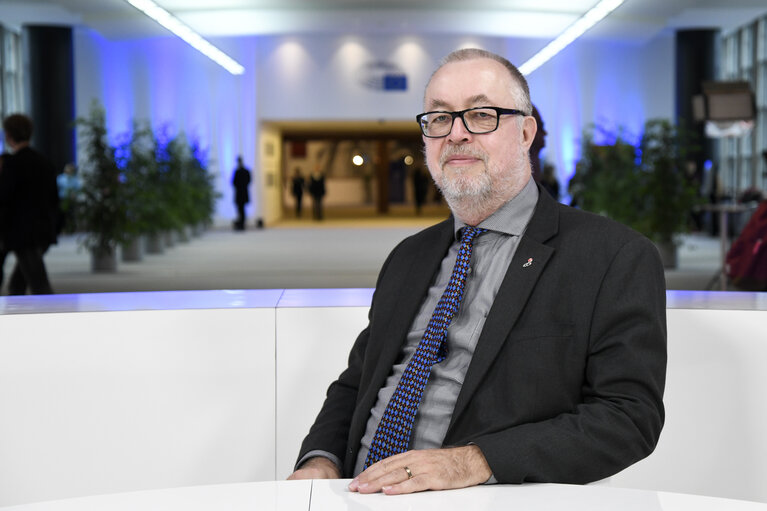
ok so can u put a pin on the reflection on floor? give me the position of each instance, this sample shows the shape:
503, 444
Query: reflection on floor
336, 253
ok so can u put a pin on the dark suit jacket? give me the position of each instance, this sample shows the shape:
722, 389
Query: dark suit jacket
29, 200
241, 182
566, 383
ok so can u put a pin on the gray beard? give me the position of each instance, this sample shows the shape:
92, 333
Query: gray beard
470, 197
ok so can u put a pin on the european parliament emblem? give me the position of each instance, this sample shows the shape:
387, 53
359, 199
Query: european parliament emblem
383, 76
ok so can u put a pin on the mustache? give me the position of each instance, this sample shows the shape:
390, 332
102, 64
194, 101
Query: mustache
461, 150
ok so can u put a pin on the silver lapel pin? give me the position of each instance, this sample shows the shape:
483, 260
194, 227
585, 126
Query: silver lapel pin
528, 263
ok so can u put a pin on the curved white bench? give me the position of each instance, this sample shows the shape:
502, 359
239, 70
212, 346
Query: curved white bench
105, 393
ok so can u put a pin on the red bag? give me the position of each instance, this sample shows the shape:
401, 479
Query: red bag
746, 261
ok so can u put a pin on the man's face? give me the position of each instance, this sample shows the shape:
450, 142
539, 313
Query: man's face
473, 167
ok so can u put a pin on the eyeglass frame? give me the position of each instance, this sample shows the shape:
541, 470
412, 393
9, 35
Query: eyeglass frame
460, 113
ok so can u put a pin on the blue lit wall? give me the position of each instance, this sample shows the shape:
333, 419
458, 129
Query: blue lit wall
164, 82
168, 84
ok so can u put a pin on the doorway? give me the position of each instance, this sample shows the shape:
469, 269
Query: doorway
369, 169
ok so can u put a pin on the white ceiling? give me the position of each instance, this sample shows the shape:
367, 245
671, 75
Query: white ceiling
635, 20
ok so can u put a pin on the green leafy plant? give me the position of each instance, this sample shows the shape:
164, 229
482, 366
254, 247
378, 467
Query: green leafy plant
141, 179
668, 193
101, 205
644, 187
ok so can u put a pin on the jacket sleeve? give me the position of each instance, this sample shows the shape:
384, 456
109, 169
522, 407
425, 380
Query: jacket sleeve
620, 414
330, 430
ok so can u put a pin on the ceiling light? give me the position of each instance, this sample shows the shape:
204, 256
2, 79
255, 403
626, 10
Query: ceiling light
194, 39
571, 33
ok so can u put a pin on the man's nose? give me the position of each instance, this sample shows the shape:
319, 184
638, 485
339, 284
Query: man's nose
458, 131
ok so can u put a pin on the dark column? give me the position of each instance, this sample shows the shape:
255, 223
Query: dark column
50, 61
695, 63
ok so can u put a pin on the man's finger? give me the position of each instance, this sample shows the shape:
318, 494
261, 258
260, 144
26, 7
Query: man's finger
383, 478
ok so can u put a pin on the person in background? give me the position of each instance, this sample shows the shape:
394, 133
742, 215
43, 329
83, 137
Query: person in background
539, 142
549, 181
420, 188
297, 184
69, 186
317, 191
518, 340
241, 183
29, 207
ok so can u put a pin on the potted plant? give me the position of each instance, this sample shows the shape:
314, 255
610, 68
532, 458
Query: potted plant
202, 192
644, 187
188, 192
669, 194
606, 178
142, 195
100, 206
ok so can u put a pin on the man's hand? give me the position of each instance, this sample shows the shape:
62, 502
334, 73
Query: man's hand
316, 468
432, 469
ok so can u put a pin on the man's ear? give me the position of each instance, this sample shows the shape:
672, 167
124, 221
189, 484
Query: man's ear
529, 129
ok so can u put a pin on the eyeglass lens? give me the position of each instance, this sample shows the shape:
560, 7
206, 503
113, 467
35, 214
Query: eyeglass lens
476, 120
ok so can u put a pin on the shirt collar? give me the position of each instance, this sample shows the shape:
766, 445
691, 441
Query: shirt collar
512, 217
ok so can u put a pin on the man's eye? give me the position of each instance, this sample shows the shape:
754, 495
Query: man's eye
481, 115
441, 119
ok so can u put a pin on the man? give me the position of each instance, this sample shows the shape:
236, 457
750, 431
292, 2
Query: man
28, 207
317, 191
554, 365
298, 184
241, 183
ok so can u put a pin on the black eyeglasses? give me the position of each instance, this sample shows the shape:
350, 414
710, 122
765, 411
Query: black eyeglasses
478, 120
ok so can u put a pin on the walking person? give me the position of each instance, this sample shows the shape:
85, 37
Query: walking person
317, 191
241, 183
297, 184
29, 207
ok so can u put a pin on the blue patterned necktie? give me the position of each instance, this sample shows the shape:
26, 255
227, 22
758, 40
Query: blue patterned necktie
393, 433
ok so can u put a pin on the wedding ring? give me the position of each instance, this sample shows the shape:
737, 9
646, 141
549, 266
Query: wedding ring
409, 473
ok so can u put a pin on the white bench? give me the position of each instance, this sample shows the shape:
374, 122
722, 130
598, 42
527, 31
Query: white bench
108, 393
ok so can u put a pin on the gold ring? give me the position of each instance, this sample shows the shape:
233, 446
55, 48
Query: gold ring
409, 473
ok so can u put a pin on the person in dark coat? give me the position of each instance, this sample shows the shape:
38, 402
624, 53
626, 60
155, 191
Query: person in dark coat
241, 183
420, 188
297, 184
317, 191
28, 208
539, 142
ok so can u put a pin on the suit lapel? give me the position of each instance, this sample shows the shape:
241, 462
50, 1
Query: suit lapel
525, 269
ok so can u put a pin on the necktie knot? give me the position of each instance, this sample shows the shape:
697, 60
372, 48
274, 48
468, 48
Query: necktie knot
470, 232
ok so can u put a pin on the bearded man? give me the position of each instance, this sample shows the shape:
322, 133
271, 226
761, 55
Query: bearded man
518, 340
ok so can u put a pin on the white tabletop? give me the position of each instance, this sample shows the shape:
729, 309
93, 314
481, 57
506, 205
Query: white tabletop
333, 496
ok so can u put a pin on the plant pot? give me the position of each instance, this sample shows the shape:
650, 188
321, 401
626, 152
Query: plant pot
155, 244
668, 253
170, 238
182, 235
133, 250
103, 260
